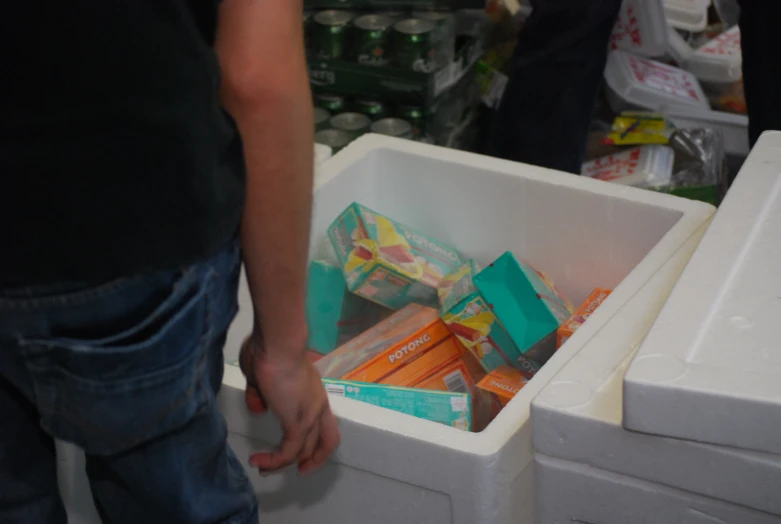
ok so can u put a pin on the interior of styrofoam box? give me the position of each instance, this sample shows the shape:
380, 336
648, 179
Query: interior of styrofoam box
733, 128
641, 28
577, 493
710, 368
577, 416
584, 233
689, 15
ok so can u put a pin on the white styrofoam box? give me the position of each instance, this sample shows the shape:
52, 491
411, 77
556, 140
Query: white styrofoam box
633, 82
718, 61
734, 128
322, 153
677, 48
568, 492
585, 233
710, 368
689, 15
642, 166
641, 28
577, 416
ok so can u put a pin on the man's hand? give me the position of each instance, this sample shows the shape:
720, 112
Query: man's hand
292, 390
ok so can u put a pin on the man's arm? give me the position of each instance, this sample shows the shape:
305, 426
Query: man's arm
266, 89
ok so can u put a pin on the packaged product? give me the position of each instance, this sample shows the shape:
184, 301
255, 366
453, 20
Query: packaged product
580, 316
503, 383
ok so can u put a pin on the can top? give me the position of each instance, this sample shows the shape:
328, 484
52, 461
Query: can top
333, 137
434, 16
350, 121
414, 26
321, 114
391, 126
333, 17
373, 22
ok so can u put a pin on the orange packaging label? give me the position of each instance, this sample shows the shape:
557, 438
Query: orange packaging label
568, 328
504, 382
418, 369
453, 377
386, 347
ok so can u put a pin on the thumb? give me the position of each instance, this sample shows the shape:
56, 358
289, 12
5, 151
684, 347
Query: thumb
254, 400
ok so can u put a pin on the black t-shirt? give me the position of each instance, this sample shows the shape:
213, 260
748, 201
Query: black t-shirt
116, 157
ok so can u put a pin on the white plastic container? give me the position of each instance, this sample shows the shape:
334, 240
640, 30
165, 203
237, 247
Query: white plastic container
710, 368
719, 62
677, 48
689, 15
576, 493
395, 468
641, 28
642, 166
734, 128
634, 82
577, 416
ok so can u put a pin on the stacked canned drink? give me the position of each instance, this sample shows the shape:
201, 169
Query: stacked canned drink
339, 120
421, 41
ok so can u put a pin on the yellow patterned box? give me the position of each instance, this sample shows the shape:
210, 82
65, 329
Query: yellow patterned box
387, 262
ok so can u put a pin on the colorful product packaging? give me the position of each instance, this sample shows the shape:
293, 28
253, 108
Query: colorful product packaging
503, 383
335, 315
580, 316
445, 407
387, 262
472, 320
527, 304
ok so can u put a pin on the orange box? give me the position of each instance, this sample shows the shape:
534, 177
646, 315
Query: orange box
568, 328
423, 365
387, 347
504, 382
454, 377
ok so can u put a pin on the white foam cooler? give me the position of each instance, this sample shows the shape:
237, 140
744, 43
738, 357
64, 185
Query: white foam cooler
710, 368
395, 468
641, 28
577, 417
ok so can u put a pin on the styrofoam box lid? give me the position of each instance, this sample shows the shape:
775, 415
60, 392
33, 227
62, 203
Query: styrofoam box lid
689, 15
642, 166
734, 128
647, 83
605, 235
710, 368
719, 60
641, 28
577, 416
576, 493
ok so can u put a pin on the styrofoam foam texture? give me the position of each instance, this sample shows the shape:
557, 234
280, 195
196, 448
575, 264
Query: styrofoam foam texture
641, 28
568, 492
689, 15
577, 416
718, 61
633, 81
710, 368
734, 128
585, 233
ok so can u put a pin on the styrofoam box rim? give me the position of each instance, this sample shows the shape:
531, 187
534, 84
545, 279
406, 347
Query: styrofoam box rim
515, 415
680, 16
674, 387
619, 80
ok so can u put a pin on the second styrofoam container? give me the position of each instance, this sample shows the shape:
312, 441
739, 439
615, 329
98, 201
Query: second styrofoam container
719, 62
641, 28
643, 166
585, 234
689, 15
634, 82
710, 368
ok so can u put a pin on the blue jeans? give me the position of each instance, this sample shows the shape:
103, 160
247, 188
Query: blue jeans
128, 371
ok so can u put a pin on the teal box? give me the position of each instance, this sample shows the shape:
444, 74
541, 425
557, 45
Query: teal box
445, 407
527, 304
470, 318
387, 262
333, 314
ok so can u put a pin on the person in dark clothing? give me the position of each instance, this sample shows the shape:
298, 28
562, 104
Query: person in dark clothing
147, 147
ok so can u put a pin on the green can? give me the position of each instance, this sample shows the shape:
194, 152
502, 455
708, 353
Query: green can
329, 33
414, 48
374, 109
322, 116
354, 123
336, 139
416, 117
371, 40
332, 103
393, 127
